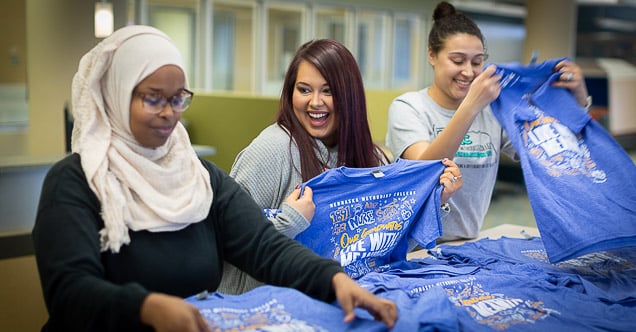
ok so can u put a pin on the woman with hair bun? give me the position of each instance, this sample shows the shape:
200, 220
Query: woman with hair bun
452, 117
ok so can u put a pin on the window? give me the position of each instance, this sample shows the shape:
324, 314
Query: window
284, 36
246, 45
371, 48
233, 48
330, 23
405, 57
179, 23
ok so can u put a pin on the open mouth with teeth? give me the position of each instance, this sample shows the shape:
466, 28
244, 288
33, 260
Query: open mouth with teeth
463, 83
318, 118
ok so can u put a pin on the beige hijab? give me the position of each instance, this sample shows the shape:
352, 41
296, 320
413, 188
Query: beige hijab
157, 190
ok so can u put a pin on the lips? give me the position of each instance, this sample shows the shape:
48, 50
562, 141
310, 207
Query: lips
165, 131
318, 118
463, 84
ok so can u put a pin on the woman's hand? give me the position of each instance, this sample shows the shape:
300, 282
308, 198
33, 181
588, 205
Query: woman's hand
451, 179
303, 204
166, 313
350, 295
484, 89
572, 79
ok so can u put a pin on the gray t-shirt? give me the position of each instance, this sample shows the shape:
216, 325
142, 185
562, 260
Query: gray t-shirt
415, 117
269, 170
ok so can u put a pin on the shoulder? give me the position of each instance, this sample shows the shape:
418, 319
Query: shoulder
273, 134
413, 100
274, 142
412, 96
66, 171
66, 182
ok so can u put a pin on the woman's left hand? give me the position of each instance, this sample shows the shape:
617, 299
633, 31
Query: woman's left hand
572, 79
451, 179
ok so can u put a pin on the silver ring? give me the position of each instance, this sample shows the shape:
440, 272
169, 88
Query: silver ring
454, 178
569, 76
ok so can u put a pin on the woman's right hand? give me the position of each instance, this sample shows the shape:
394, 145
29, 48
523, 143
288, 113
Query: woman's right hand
303, 204
167, 313
484, 89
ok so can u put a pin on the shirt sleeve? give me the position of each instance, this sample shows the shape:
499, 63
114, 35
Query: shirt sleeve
405, 125
67, 251
265, 170
255, 246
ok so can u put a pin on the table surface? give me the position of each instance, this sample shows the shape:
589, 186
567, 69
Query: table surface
508, 230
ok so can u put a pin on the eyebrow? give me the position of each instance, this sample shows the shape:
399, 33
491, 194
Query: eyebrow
309, 85
464, 54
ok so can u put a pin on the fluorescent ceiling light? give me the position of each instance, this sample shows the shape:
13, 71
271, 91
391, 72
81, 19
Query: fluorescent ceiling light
616, 24
491, 7
103, 19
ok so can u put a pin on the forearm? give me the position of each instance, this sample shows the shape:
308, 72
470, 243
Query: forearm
446, 144
289, 222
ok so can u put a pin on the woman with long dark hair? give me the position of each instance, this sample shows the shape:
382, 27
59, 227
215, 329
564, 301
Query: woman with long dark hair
321, 124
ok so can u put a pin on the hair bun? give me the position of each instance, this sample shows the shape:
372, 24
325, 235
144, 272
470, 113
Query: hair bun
443, 9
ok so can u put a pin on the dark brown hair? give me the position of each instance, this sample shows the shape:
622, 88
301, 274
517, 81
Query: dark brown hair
447, 22
340, 69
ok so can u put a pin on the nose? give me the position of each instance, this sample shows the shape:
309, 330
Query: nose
468, 70
316, 100
166, 109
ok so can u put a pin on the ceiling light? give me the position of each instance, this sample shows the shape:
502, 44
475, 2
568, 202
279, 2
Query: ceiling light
103, 19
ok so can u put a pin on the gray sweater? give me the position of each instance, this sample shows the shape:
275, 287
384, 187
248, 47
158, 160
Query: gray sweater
269, 170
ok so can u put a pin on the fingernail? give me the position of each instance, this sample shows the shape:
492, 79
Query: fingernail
298, 186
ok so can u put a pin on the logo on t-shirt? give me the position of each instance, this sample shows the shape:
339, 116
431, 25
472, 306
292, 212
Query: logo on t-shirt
558, 149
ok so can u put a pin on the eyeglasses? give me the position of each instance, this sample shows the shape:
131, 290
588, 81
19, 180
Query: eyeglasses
154, 103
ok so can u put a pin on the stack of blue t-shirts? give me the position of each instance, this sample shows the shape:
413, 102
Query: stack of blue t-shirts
513, 301
609, 276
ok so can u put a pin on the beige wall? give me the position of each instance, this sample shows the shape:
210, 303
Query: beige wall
13, 41
550, 29
58, 34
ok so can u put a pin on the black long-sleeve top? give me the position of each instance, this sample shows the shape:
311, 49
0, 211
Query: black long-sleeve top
88, 290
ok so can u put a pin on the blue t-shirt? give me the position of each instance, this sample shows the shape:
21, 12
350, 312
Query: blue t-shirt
365, 217
581, 183
270, 308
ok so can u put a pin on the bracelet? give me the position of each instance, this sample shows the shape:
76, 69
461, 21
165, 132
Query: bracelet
588, 103
446, 207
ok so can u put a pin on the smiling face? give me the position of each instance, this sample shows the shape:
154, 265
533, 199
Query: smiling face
153, 130
456, 65
313, 104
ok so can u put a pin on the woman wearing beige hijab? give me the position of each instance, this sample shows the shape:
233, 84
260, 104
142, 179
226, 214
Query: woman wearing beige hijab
133, 221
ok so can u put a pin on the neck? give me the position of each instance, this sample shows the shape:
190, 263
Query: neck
442, 99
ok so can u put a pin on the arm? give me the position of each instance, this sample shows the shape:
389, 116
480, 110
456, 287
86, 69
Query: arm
483, 90
65, 236
265, 170
257, 248
78, 294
